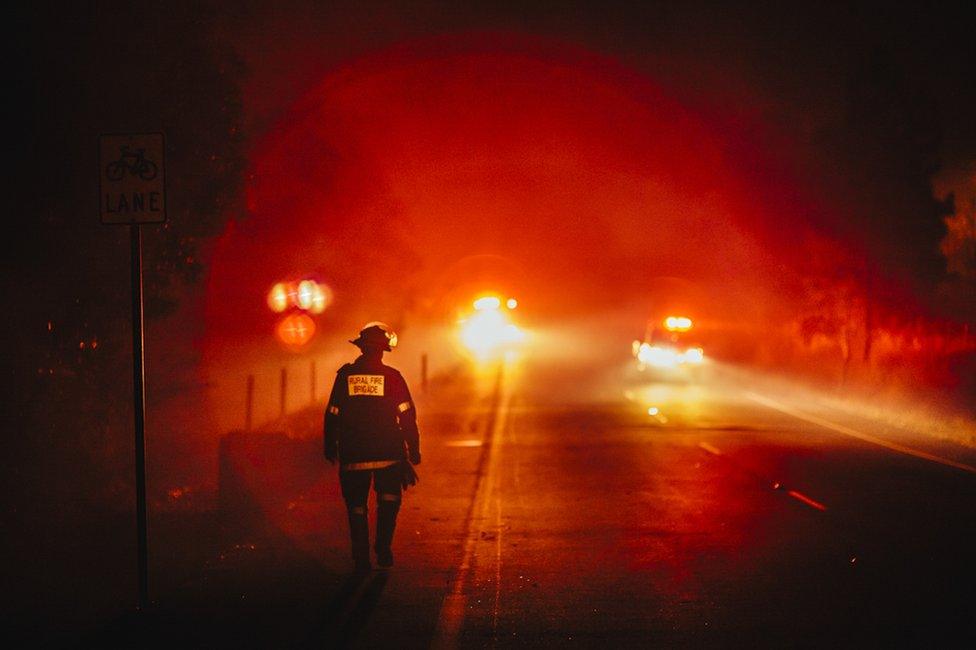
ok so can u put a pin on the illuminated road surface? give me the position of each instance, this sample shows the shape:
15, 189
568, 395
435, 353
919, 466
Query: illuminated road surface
559, 511
716, 522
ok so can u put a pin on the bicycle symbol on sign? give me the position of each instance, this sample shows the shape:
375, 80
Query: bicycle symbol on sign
135, 163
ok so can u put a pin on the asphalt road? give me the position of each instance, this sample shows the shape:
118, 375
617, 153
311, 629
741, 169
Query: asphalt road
558, 508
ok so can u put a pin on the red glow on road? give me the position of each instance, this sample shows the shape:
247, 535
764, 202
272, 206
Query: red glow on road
799, 496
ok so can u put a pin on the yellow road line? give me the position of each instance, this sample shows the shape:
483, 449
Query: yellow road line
452, 613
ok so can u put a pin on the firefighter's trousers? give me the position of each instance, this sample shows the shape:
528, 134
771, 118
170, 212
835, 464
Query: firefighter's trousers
355, 490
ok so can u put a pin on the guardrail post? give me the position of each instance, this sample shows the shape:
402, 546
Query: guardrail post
423, 372
312, 373
284, 389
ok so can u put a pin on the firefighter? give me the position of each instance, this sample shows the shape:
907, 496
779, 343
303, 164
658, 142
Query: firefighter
371, 429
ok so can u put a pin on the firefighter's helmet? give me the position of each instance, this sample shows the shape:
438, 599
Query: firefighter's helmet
376, 334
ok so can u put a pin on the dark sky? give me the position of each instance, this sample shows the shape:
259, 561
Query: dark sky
802, 57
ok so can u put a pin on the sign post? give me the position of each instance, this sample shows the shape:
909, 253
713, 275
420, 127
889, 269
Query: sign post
132, 191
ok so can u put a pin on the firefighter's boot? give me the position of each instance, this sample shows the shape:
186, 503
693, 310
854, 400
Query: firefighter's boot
359, 535
388, 505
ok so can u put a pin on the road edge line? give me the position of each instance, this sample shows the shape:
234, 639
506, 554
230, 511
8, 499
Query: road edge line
854, 433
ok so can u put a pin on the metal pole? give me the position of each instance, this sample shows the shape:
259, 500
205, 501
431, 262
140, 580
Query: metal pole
249, 404
284, 389
139, 408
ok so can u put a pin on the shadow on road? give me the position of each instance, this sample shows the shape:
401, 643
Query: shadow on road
348, 612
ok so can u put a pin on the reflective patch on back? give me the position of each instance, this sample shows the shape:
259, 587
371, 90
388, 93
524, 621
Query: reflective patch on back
370, 385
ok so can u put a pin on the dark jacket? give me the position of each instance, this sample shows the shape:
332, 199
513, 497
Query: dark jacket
370, 415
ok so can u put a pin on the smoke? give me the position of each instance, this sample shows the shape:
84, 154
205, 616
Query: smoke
587, 177
409, 168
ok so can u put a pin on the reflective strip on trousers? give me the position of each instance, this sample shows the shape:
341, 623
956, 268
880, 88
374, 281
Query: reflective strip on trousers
373, 464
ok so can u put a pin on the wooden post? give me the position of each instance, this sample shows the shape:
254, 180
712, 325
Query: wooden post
423, 372
249, 404
284, 389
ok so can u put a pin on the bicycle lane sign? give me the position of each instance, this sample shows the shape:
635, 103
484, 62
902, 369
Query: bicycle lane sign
132, 180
